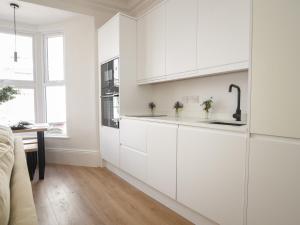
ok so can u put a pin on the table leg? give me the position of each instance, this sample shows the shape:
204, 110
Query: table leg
41, 154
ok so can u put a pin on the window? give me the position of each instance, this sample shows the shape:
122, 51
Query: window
55, 85
19, 75
21, 70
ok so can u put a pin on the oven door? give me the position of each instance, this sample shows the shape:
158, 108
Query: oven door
110, 111
110, 78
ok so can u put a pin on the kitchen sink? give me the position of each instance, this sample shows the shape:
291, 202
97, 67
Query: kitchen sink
146, 116
227, 123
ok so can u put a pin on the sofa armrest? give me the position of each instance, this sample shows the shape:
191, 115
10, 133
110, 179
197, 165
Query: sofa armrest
22, 211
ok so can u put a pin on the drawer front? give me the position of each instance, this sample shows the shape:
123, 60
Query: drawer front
133, 134
134, 163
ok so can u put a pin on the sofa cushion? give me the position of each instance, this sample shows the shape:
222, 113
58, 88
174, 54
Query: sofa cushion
22, 205
6, 165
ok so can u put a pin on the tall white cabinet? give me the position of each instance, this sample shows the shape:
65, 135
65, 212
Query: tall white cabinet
274, 165
117, 39
275, 107
274, 181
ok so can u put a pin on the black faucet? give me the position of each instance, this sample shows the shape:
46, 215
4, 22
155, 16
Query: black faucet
238, 113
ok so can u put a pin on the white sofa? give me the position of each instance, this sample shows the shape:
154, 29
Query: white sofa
16, 200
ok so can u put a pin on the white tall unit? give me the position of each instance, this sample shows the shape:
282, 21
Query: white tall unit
274, 178
117, 39
275, 107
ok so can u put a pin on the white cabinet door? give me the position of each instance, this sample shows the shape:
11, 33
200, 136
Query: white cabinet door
181, 36
133, 133
161, 147
274, 181
133, 162
108, 40
211, 173
110, 144
275, 107
223, 35
151, 44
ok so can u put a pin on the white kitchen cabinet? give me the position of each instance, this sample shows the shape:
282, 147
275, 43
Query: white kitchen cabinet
108, 40
133, 133
161, 148
274, 181
223, 35
181, 36
211, 173
110, 145
151, 44
275, 91
133, 162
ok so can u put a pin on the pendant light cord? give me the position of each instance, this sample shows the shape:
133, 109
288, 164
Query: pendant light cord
15, 29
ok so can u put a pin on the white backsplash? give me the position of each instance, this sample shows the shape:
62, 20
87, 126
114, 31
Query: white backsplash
192, 92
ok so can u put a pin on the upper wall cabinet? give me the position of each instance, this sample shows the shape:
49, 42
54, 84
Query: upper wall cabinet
181, 36
151, 44
275, 107
223, 35
181, 39
109, 34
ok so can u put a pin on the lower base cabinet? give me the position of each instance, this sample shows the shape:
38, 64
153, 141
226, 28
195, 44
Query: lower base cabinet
161, 147
274, 181
133, 162
211, 173
110, 145
148, 152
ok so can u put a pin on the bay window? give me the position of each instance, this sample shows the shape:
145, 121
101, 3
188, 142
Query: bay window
55, 93
39, 100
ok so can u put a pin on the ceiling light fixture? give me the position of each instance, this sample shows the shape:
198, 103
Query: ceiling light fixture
15, 6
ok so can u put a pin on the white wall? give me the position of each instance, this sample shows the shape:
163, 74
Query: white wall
82, 146
200, 89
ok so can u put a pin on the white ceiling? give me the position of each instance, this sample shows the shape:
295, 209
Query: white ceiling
32, 14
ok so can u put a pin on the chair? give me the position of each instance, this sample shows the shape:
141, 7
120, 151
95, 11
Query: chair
31, 149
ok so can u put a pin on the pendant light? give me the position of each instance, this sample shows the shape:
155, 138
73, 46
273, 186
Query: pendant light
15, 6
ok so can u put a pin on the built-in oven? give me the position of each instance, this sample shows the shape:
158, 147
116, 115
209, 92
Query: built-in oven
110, 111
110, 78
110, 107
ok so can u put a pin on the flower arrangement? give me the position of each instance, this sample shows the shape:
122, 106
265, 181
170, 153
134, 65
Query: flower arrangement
177, 106
207, 105
7, 93
152, 106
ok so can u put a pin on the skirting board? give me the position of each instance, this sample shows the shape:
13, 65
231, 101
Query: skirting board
163, 199
76, 157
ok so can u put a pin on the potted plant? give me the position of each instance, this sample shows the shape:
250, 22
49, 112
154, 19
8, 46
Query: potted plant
178, 106
7, 93
207, 105
152, 106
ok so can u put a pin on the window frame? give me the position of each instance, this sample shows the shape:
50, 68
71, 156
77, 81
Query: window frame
49, 83
25, 84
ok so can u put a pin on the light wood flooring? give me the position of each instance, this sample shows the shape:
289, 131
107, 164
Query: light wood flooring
72, 195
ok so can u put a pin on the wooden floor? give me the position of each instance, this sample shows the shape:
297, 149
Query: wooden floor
94, 196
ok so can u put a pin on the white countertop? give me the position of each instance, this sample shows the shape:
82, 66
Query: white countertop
190, 121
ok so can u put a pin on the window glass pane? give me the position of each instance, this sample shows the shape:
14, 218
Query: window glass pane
23, 68
56, 109
55, 58
20, 108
